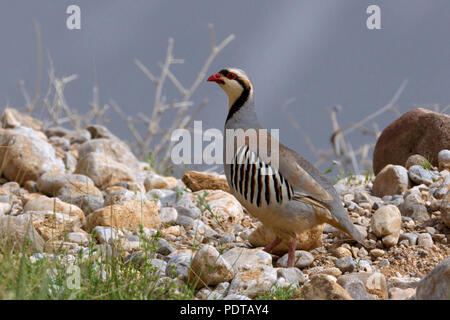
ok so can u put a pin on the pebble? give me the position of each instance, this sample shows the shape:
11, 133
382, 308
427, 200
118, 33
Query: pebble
375, 253
410, 237
346, 264
420, 175
293, 276
168, 215
425, 240
303, 259
355, 287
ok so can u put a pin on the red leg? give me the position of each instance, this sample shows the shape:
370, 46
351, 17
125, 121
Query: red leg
273, 244
291, 253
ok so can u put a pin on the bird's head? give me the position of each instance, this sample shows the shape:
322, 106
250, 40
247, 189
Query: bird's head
234, 82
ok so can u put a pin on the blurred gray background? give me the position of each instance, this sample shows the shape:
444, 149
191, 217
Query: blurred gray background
315, 54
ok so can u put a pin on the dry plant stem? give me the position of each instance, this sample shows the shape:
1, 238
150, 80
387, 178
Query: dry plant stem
182, 119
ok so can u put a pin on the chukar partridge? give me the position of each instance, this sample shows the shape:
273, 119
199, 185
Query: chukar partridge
289, 199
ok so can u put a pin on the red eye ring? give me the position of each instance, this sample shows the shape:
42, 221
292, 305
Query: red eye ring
231, 76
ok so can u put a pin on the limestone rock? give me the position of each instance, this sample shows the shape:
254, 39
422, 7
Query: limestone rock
53, 225
241, 258
197, 181
12, 118
112, 149
105, 172
323, 287
25, 154
209, 268
375, 282
127, 216
436, 284
414, 207
303, 259
19, 232
76, 189
386, 221
391, 180
254, 281
225, 208
156, 181
43, 203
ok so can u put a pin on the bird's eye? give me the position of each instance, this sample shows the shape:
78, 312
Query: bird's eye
231, 76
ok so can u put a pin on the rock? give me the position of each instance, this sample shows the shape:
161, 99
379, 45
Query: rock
164, 247
20, 234
118, 195
375, 282
58, 132
445, 209
77, 237
375, 253
11, 118
341, 252
103, 171
346, 264
303, 259
307, 240
209, 268
322, 287
5, 208
253, 282
419, 175
25, 154
167, 198
390, 240
112, 149
403, 283
100, 132
129, 216
356, 289
155, 181
425, 240
52, 225
225, 208
418, 131
241, 258
444, 160
386, 223
436, 284
105, 234
168, 215
414, 207
179, 264
391, 180
197, 181
43, 203
292, 276
76, 189
410, 237
186, 206
401, 294
80, 136
415, 159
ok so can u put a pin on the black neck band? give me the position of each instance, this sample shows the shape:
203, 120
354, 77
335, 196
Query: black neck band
239, 101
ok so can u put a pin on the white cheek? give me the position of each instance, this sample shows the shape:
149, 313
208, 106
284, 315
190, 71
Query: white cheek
233, 90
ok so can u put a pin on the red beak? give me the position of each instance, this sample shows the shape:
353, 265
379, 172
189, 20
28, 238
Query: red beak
216, 78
